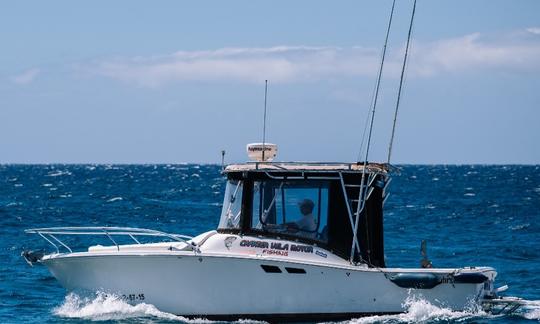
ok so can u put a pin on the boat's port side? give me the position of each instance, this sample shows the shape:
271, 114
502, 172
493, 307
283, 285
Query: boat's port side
270, 286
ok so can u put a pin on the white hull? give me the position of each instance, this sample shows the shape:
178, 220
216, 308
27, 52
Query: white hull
219, 285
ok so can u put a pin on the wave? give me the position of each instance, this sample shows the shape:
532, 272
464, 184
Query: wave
57, 173
115, 199
519, 227
532, 310
107, 307
418, 310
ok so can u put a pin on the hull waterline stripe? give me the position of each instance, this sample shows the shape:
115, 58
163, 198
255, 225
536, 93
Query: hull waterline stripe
283, 318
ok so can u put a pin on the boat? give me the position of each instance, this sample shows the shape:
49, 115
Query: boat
295, 241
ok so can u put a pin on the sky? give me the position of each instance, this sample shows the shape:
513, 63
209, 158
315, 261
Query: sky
179, 81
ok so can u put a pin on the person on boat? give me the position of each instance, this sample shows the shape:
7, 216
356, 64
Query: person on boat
306, 225
307, 222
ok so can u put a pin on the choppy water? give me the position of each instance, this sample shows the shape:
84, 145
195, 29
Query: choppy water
470, 215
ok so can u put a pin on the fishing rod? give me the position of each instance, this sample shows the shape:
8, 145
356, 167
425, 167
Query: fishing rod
379, 77
362, 195
401, 84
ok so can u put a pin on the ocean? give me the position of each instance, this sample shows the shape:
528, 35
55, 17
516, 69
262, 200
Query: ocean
470, 215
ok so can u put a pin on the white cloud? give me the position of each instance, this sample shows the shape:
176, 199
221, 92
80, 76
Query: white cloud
26, 77
279, 64
534, 30
468, 53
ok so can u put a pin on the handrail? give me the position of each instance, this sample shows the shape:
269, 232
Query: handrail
334, 166
48, 233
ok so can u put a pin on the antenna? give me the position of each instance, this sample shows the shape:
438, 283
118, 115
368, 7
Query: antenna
222, 160
264, 119
401, 84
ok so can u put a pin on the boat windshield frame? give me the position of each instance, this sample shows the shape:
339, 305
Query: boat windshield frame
248, 178
282, 203
340, 220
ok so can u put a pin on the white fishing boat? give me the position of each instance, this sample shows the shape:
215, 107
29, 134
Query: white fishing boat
296, 241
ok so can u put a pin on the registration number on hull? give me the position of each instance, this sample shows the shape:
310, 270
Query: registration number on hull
132, 297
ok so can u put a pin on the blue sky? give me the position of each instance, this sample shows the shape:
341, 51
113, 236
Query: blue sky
178, 81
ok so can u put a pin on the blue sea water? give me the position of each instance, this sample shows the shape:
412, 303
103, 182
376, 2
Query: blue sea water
469, 215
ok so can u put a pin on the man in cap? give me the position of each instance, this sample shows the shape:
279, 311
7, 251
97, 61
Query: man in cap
307, 223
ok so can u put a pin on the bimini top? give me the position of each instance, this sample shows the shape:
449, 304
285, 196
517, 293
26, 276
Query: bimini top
307, 167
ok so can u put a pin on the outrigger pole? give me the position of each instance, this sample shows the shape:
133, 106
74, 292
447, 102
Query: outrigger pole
401, 84
363, 188
379, 76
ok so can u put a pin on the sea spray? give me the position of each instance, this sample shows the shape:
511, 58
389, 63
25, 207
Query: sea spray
106, 307
532, 310
419, 310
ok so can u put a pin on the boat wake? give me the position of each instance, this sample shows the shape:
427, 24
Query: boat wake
532, 311
421, 311
103, 307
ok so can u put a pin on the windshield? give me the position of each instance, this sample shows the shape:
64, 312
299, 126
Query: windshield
232, 206
292, 208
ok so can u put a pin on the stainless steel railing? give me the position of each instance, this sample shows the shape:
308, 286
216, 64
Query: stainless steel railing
50, 235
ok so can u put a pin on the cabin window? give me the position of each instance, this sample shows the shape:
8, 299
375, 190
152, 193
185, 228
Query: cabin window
293, 208
232, 206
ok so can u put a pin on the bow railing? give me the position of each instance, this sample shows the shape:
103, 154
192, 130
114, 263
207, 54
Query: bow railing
51, 235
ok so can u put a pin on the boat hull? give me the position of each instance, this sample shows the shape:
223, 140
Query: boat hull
223, 287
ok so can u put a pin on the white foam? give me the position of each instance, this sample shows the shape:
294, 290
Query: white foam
533, 314
519, 227
532, 310
420, 310
58, 173
107, 307
115, 199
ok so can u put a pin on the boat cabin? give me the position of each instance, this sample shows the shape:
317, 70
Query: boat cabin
337, 206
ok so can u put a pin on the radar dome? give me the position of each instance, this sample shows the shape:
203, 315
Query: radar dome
261, 152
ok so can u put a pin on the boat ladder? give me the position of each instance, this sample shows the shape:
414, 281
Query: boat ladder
356, 195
